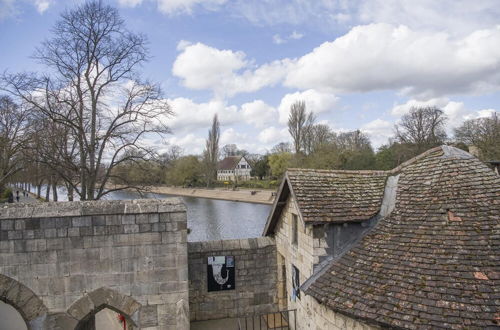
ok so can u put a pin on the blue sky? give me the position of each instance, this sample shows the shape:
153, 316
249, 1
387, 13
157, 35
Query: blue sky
357, 64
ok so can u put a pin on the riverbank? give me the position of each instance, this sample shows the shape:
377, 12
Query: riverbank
240, 195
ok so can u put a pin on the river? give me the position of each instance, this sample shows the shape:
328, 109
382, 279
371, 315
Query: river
208, 219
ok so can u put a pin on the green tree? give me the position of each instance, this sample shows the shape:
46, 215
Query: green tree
278, 163
211, 153
261, 167
185, 171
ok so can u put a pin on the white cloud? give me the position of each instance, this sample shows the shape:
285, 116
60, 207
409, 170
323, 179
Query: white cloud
9, 8
190, 143
272, 136
189, 115
42, 5
382, 56
296, 35
316, 102
454, 16
258, 113
277, 39
379, 131
226, 72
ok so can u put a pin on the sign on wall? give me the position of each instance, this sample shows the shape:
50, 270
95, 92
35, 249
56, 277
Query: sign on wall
220, 273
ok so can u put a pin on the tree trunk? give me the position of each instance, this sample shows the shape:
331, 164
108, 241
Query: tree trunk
54, 191
39, 190
47, 192
70, 192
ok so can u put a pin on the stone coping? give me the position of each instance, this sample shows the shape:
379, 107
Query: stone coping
86, 208
230, 244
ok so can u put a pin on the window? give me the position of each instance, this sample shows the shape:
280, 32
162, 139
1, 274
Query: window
295, 283
295, 233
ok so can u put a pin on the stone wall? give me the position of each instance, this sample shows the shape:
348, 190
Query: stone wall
311, 246
61, 262
256, 276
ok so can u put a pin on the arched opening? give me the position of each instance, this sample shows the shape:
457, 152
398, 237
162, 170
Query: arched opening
105, 309
19, 304
11, 318
106, 318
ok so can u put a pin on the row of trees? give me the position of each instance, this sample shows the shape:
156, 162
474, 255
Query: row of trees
76, 123
317, 146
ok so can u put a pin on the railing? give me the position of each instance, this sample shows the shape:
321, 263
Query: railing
283, 320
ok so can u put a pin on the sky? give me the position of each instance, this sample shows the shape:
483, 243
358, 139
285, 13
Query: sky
356, 64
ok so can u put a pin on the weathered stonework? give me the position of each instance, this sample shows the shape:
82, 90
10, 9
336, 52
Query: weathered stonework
304, 255
256, 276
62, 262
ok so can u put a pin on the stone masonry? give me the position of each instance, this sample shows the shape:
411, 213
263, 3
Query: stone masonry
256, 276
62, 262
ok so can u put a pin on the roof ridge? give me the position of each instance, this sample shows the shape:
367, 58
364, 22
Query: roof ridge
338, 171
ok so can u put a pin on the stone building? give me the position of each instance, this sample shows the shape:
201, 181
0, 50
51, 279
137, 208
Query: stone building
233, 168
416, 247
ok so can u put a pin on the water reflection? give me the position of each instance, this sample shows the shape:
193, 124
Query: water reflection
210, 219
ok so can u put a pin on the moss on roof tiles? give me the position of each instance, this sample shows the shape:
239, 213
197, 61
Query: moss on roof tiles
434, 262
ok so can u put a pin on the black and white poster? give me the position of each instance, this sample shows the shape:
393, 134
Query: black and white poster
220, 273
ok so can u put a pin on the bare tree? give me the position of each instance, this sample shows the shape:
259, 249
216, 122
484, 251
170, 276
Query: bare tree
320, 135
353, 141
211, 154
483, 133
281, 148
422, 127
14, 122
93, 90
300, 124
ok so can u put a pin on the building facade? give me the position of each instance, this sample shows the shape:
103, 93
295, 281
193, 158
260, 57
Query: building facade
234, 168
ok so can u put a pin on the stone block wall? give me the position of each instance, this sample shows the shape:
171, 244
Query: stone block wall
255, 281
61, 262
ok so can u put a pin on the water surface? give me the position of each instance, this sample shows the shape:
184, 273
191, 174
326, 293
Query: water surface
209, 219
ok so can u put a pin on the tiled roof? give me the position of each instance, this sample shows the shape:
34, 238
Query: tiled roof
229, 163
337, 196
434, 262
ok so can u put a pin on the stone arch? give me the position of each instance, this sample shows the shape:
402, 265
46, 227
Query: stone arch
24, 300
102, 298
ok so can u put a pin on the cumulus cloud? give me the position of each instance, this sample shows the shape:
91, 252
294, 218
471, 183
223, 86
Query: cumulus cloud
273, 135
367, 58
226, 72
190, 143
382, 56
316, 101
258, 113
378, 130
189, 115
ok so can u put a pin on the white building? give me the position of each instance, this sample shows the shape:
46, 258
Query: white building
233, 168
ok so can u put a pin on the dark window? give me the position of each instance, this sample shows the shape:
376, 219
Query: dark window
295, 233
295, 283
